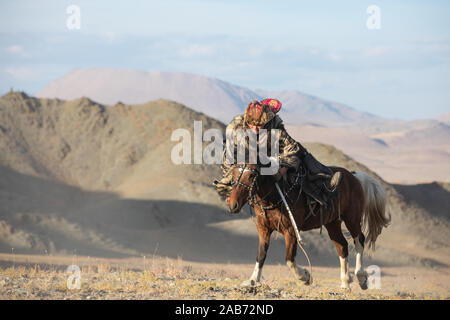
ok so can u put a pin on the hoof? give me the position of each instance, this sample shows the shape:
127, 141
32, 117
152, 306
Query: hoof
250, 283
362, 279
350, 278
345, 287
306, 278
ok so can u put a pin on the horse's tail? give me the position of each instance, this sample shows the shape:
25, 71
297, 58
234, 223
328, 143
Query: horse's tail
373, 217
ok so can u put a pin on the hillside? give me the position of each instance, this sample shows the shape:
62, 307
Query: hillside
390, 153
444, 117
92, 179
73, 160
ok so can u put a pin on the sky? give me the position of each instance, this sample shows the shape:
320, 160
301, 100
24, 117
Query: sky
329, 49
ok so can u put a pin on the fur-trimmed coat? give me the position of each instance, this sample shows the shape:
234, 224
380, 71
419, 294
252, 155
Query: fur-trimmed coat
289, 149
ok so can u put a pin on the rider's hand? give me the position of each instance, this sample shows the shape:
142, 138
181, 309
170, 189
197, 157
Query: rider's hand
281, 172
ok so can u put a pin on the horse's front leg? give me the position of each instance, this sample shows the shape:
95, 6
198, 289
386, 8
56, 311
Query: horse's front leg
291, 250
264, 234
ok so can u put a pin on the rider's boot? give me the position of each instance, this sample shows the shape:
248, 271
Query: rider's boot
334, 181
319, 171
331, 181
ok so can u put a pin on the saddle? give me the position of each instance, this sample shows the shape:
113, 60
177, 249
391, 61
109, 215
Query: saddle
318, 196
316, 177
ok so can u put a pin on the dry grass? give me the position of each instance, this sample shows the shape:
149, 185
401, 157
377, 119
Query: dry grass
162, 278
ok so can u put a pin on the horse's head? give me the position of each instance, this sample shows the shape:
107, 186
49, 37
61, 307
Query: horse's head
244, 185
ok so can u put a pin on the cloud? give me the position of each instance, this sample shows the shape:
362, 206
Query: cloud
334, 57
17, 50
196, 50
20, 73
376, 51
109, 36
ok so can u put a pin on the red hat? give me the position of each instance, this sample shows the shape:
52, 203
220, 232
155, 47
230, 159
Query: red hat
274, 104
258, 114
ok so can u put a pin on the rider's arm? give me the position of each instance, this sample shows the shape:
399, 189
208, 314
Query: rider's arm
236, 122
289, 150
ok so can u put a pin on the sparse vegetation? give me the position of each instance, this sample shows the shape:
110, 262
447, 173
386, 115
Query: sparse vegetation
177, 279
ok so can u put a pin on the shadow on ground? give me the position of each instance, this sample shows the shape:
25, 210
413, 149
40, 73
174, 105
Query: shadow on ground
433, 197
44, 216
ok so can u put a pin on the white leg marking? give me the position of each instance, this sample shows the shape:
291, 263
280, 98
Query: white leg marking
359, 270
359, 252
256, 275
255, 278
345, 277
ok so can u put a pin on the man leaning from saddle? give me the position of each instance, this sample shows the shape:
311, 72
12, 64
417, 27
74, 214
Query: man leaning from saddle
262, 115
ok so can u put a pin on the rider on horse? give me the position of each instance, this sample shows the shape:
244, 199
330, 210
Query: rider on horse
262, 115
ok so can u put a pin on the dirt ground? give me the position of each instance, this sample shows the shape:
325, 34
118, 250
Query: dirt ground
46, 277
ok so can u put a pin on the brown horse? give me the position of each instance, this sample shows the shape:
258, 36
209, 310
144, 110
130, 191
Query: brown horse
360, 203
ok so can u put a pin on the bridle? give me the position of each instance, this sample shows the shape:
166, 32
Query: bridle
243, 168
254, 184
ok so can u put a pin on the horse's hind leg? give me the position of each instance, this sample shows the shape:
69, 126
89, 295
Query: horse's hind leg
264, 240
335, 233
291, 250
358, 239
360, 274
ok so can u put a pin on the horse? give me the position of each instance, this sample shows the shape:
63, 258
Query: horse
360, 203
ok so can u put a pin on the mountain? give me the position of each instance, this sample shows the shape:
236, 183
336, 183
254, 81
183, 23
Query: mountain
435, 134
383, 144
416, 152
301, 108
444, 117
67, 165
218, 99
79, 177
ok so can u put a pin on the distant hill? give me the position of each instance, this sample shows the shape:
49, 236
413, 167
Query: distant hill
412, 153
444, 117
384, 144
219, 99
80, 177
436, 134
300, 108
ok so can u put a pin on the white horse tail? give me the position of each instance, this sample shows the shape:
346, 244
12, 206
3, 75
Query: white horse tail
374, 215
